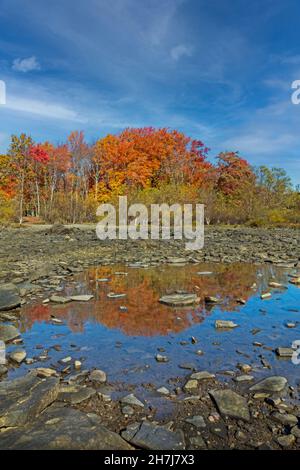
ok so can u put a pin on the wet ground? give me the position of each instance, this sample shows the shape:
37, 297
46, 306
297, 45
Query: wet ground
123, 335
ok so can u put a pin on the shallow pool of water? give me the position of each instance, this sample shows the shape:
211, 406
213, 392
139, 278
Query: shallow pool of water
123, 342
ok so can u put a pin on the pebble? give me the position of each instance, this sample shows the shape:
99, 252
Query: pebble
225, 324
18, 356
161, 358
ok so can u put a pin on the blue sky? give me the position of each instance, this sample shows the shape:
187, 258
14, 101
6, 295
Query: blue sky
219, 70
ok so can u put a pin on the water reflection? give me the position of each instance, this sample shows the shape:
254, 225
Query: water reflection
145, 316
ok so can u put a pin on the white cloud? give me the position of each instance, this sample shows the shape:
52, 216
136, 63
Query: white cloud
42, 108
180, 51
26, 65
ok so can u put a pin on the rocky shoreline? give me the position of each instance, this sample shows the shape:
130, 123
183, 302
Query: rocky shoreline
76, 410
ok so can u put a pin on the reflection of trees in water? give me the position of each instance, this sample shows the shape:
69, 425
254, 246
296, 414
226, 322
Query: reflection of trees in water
145, 315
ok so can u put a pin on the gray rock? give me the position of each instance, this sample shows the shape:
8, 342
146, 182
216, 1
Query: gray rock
177, 300
197, 442
132, 400
81, 298
270, 384
197, 421
9, 297
153, 437
285, 352
203, 375
8, 333
128, 410
22, 399
18, 356
130, 431
286, 441
98, 376
225, 324
63, 428
58, 299
243, 378
285, 419
163, 391
75, 393
190, 385
161, 358
231, 404
296, 432
3, 370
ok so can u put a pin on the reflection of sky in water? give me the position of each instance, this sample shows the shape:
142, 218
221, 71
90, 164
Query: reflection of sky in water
92, 331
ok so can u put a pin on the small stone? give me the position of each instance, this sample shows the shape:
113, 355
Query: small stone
231, 404
243, 378
153, 437
203, 375
212, 300
128, 411
225, 324
8, 333
285, 352
266, 295
65, 360
244, 368
296, 431
77, 364
18, 356
132, 400
45, 372
81, 298
285, 419
197, 421
177, 300
197, 442
190, 385
290, 325
163, 391
274, 383
98, 376
161, 358
58, 299
286, 441
3, 370
275, 284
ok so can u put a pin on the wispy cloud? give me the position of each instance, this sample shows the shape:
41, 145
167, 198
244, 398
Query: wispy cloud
180, 51
28, 64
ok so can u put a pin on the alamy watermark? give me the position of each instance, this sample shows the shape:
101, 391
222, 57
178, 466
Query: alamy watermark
2, 92
162, 221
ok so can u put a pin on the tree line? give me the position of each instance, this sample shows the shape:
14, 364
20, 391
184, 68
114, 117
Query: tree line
66, 182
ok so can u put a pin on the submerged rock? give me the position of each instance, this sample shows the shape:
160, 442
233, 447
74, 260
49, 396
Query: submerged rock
98, 376
75, 393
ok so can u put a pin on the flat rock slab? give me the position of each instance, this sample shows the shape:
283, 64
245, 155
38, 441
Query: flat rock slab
270, 384
82, 298
9, 297
22, 399
63, 428
153, 437
179, 300
231, 404
8, 333
75, 394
